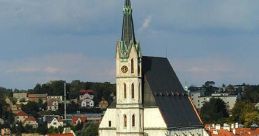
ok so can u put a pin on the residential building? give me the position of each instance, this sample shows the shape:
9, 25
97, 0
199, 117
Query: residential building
1, 121
59, 98
37, 97
87, 103
150, 99
103, 104
30, 121
230, 130
78, 119
257, 106
21, 116
21, 98
52, 104
198, 100
86, 98
54, 122
5, 132
66, 134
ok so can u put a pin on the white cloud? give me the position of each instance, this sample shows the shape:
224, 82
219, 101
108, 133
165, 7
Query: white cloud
29, 71
222, 70
146, 24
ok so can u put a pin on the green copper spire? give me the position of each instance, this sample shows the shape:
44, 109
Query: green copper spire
128, 34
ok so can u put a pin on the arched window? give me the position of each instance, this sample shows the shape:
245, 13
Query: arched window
125, 120
140, 121
125, 90
132, 91
132, 66
133, 120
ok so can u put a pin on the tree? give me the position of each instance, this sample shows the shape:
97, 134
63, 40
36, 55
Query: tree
244, 112
250, 118
214, 111
43, 129
91, 129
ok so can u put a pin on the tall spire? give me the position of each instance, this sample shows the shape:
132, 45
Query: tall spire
128, 34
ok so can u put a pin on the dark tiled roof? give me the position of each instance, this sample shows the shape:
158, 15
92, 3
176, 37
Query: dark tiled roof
163, 89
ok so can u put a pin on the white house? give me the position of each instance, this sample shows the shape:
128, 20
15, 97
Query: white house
150, 100
30, 121
54, 122
198, 100
86, 100
59, 98
21, 116
87, 103
52, 104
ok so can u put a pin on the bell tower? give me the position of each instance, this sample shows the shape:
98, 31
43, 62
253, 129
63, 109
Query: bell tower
129, 106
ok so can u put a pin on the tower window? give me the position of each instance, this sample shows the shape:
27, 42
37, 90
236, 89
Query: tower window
140, 120
125, 120
110, 123
132, 91
133, 120
125, 90
132, 66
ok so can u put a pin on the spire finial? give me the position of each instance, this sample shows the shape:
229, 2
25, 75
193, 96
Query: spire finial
128, 34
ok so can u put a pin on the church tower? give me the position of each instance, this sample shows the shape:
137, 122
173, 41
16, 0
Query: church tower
129, 107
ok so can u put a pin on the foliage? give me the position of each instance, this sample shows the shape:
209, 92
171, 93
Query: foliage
245, 113
251, 93
214, 111
91, 129
42, 129
53, 130
33, 108
102, 90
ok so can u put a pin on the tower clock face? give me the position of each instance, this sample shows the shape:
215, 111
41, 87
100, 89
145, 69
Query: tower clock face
124, 69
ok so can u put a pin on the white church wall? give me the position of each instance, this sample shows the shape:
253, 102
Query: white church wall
107, 132
155, 132
110, 115
153, 119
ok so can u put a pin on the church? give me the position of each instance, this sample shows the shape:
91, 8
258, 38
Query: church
150, 100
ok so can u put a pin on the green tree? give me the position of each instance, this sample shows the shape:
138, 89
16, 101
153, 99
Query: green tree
91, 129
239, 111
250, 118
214, 111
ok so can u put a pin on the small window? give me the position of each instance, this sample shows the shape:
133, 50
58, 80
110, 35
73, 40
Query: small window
125, 120
132, 91
133, 120
132, 66
110, 123
125, 91
140, 121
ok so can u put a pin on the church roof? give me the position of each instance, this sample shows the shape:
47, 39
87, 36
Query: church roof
163, 89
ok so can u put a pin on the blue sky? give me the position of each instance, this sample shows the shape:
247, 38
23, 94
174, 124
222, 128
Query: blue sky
44, 40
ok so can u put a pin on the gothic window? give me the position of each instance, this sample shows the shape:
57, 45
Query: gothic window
125, 90
138, 70
110, 123
125, 120
132, 66
133, 120
140, 120
132, 90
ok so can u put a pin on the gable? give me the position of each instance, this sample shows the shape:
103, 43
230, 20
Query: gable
163, 89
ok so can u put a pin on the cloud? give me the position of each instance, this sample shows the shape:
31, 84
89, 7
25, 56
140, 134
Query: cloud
29, 71
222, 70
146, 23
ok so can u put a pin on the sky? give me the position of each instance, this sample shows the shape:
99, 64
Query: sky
43, 40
